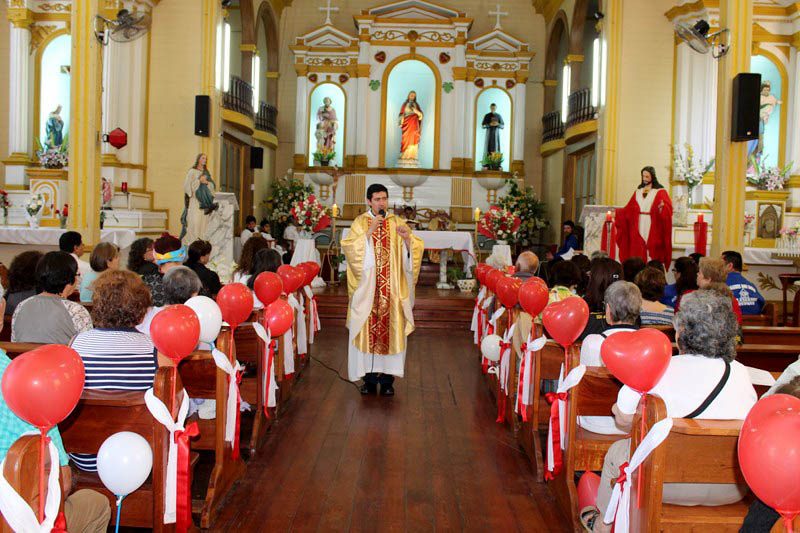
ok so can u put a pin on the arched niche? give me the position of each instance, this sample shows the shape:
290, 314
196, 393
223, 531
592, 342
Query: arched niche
53, 81
772, 120
338, 98
557, 50
403, 75
505, 108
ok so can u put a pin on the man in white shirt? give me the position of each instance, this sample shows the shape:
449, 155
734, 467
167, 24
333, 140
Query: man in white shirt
623, 303
249, 228
704, 382
72, 243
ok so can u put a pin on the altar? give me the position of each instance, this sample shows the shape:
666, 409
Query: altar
17, 239
380, 105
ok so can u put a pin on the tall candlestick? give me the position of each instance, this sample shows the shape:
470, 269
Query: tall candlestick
608, 216
335, 211
700, 218
125, 186
477, 214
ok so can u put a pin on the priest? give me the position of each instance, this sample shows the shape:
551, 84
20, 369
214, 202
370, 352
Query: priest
383, 264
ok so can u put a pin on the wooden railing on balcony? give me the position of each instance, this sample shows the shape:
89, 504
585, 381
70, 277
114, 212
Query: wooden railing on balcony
580, 108
267, 118
239, 97
552, 126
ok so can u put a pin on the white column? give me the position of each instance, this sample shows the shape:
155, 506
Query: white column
518, 135
350, 143
469, 120
459, 133
111, 88
301, 120
360, 124
19, 91
793, 112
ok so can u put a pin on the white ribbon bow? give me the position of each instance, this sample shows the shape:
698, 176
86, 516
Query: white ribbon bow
573, 378
476, 312
618, 510
497, 314
505, 359
527, 364
268, 395
300, 321
315, 323
15, 509
161, 413
224, 364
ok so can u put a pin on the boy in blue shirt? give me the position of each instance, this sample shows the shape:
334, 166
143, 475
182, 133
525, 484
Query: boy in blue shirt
750, 300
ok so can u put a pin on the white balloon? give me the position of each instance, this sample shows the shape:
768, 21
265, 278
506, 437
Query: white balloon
124, 462
490, 347
209, 315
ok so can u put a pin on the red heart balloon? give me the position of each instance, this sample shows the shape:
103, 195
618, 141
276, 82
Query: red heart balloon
316, 267
43, 386
480, 272
492, 277
768, 452
268, 287
236, 303
637, 358
533, 296
565, 320
175, 331
278, 317
292, 278
508, 291
308, 272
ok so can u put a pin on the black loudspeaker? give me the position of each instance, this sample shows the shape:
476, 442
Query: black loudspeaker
202, 114
256, 157
746, 101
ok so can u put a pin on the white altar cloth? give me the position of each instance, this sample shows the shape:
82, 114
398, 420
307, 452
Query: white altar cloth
305, 250
49, 236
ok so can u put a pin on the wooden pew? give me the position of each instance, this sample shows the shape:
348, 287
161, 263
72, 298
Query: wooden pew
203, 380
770, 357
696, 451
771, 335
13, 349
100, 414
767, 318
585, 450
21, 470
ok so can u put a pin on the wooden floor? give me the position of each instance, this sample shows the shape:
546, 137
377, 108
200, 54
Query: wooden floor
430, 458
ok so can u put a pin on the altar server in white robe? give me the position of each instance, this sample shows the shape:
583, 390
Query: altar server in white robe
383, 264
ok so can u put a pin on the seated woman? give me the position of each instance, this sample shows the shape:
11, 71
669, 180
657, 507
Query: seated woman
623, 303
603, 271
115, 355
49, 317
168, 253
564, 277
105, 256
21, 279
651, 281
685, 271
705, 329
179, 284
199, 255
246, 258
266, 260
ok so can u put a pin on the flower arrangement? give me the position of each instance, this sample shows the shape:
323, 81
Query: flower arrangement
492, 160
791, 232
5, 203
310, 215
687, 168
62, 215
749, 218
523, 203
325, 155
285, 192
35, 204
766, 178
499, 224
53, 157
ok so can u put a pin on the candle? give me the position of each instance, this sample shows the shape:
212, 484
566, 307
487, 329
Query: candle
700, 218
125, 186
335, 210
477, 214
608, 216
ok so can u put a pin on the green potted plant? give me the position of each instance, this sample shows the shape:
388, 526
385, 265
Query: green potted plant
492, 161
459, 277
324, 156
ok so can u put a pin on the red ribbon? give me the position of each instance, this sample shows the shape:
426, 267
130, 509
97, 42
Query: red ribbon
268, 362
183, 518
235, 454
521, 407
555, 424
480, 321
60, 525
501, 394
623, 477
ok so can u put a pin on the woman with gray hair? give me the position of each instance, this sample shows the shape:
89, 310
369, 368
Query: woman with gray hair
623, 301
180, 284
704, 381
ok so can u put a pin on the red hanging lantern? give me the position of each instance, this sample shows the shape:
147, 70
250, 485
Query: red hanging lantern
116, 138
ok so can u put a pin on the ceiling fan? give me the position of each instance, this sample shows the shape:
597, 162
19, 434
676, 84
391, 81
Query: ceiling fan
124, 28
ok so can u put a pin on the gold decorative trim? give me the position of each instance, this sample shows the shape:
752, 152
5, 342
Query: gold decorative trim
550, 83
580, 130
18, 158
243, 122
20, 17
551, 147
272, 75
253, 49
40, 32
574, 58
709, 178
760, 242
767, 196
266, 138
793, 182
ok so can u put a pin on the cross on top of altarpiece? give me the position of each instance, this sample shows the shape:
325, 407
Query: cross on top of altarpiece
328, 10
497, 13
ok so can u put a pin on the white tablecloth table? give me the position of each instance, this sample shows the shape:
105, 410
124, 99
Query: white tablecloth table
305, 250
49, 236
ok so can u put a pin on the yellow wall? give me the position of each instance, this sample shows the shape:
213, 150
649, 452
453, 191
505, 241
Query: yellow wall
262, 179
4, 66
645, 105
553, 184
175, 77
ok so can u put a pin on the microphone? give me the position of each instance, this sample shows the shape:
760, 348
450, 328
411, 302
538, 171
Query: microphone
382, 213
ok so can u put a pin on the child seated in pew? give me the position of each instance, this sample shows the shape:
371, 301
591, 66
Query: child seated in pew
703, 382
115, 355
85, 510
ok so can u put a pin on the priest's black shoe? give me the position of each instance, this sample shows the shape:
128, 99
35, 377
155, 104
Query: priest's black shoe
387, 390
368, 388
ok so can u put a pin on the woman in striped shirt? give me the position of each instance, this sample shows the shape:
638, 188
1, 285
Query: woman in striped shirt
651, 281
115, 355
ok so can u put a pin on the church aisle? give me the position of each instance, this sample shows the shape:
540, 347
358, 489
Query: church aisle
430, 458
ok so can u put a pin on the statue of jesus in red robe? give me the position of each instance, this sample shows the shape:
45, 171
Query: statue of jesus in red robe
644, 225
411, 126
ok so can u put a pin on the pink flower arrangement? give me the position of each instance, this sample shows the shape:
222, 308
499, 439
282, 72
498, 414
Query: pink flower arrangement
499, 224
310, 215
